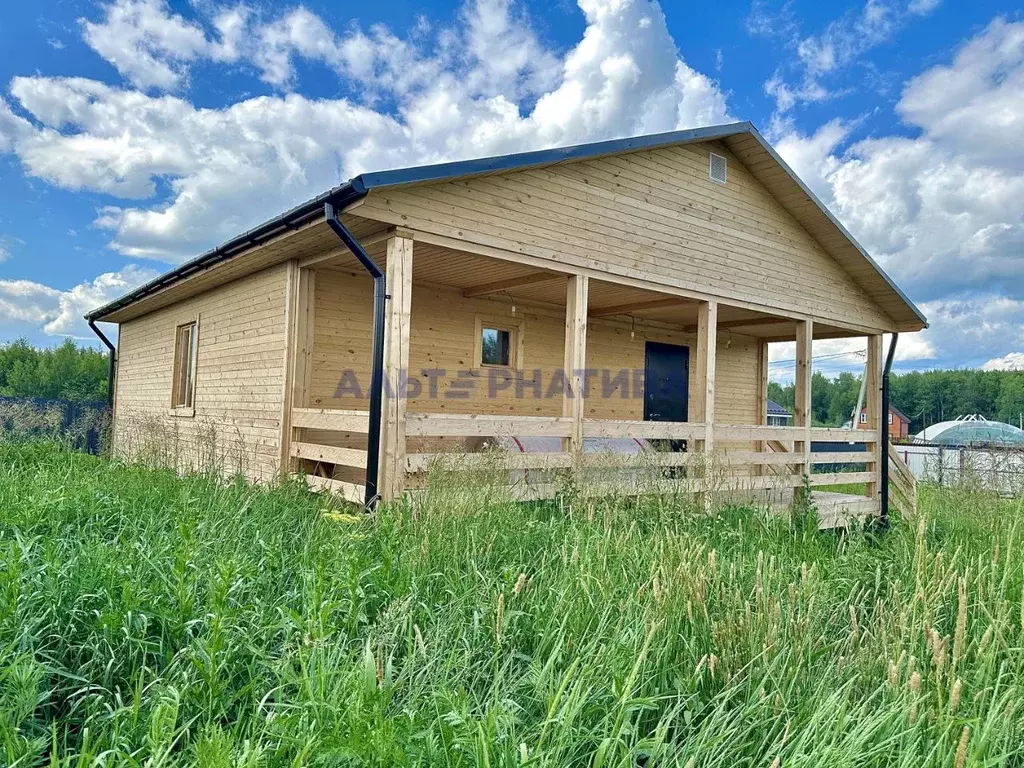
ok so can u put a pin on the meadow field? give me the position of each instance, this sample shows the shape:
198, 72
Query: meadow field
152, 620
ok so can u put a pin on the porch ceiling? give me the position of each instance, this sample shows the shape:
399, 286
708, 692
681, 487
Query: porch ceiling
483, 277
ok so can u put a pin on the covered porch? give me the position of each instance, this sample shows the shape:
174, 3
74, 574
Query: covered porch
487, 348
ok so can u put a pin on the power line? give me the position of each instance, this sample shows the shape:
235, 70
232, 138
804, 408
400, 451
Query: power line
859, 353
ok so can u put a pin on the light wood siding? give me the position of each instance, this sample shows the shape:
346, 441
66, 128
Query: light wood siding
652, 215
443, 338
239, 381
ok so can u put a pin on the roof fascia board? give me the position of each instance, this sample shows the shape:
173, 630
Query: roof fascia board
289, 220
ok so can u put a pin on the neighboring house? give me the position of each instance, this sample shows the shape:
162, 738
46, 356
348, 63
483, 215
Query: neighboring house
604, 295
777, 415
899, 422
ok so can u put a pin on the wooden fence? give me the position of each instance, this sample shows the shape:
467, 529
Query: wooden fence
326, 459
745, 459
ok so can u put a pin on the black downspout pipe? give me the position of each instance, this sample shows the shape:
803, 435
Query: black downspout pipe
377, 362
884, 436
111, 363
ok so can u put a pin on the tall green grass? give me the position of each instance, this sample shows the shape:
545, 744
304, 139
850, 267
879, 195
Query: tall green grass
147, 619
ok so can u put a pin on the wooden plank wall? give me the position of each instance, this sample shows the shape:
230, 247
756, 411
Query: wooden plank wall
239, 381
443, 334
652, 215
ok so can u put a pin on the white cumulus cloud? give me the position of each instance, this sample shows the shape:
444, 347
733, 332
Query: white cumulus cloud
146, 43
1010, 361
1013, 361
60, 313
488, 86
941, 210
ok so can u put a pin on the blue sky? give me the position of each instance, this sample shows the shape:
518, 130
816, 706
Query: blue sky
136, 133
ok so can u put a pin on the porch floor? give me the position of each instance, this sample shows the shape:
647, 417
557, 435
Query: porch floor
835, 510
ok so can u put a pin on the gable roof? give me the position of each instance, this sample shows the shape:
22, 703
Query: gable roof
774, 409
742, 139
899, 413
893, 409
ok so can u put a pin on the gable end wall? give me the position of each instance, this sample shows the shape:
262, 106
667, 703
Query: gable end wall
651, 215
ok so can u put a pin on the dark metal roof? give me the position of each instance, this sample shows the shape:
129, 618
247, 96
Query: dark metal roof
360, 185
291, 219
774, 409
522, 160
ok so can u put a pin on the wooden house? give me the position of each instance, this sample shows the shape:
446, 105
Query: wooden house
778, 416
622, 290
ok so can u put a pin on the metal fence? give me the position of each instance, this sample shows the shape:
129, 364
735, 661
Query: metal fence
995, 469
84, 426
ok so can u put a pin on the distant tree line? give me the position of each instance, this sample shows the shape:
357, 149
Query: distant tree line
64, 372
926, 397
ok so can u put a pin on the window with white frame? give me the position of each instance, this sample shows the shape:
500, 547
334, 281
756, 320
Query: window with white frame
186, 344
496, 346
499, 342
863, 417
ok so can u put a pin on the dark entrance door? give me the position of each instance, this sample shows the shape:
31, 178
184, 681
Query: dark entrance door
666, 382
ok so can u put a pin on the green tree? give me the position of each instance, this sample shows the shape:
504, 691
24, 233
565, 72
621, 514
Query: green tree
67, 371
1010, 401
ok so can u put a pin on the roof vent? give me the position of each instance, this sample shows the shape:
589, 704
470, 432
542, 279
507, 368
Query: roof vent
717, 169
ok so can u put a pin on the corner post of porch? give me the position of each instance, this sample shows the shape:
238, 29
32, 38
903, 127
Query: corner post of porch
298, 368
704, 386
802, 394
762, 397
873, 413
575, 361
397, 319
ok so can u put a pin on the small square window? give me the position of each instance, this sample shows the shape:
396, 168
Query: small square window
496, 346
183, 391
863, 418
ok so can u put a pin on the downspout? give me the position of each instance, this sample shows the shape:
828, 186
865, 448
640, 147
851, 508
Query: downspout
111, 363
377, 360
884, 435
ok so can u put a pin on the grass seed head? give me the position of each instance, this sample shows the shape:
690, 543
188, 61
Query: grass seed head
985, 640
499, 617
954, 696
420, 645
520, 584
893, 674
961, 749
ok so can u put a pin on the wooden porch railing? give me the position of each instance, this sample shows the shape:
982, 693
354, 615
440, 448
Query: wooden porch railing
903, 482
732, 469
722, 469
331, 420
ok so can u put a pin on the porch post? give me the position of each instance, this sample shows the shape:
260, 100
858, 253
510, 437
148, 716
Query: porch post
704, 385
396, 366
762, 397
575, 362
298, 368
802, 385
873, 412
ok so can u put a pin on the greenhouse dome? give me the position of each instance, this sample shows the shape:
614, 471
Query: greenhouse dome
972, 430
